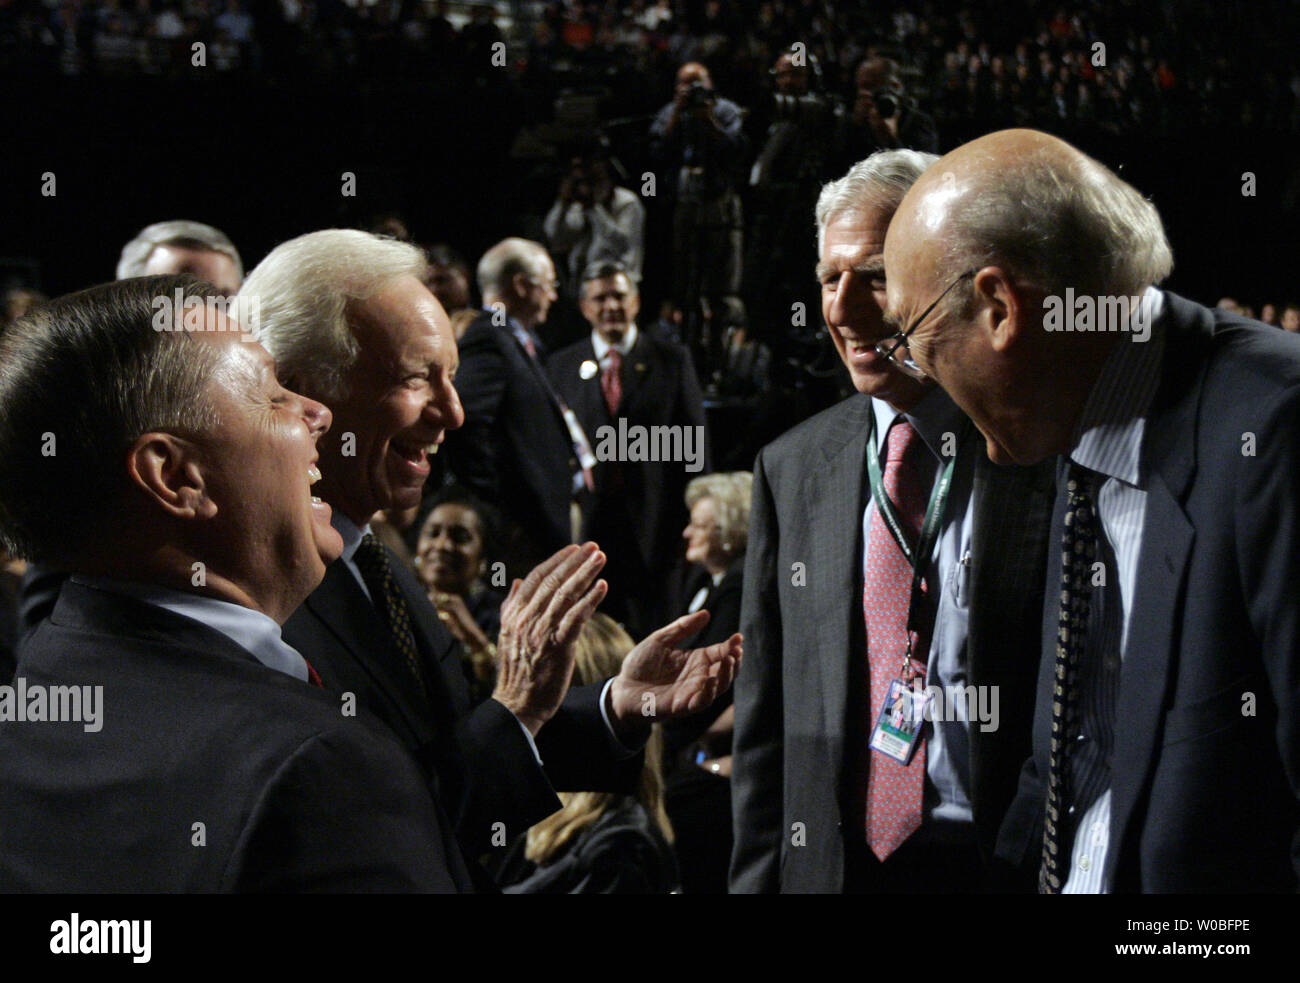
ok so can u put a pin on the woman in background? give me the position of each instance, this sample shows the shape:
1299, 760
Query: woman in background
452, 561
600, 842
697, 749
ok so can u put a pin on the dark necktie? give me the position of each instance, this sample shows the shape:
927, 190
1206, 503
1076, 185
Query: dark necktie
372, 560
894, 791
611, 382
1078, 553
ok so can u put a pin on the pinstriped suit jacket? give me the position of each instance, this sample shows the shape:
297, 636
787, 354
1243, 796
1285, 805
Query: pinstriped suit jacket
794, 710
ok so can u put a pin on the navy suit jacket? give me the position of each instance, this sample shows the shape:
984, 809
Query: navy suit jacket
292, 795
514, 450
660, 388
478, 760
1206, 766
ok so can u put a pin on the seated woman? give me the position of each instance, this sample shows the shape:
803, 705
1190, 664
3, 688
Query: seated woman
451, 560
697, 749
600, 842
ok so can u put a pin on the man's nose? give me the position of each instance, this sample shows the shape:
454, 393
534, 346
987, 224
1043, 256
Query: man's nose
318, 417
445, 410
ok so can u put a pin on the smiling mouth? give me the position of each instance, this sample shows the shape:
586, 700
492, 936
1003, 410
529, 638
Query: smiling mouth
313, 476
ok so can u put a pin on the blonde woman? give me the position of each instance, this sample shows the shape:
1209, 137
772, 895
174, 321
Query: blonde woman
600, 842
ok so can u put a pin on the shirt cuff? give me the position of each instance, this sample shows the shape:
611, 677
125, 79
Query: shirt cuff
528, 736
615, 742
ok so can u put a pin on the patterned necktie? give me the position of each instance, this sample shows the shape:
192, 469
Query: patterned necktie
894, 790
372, 560
1078, 552
611, 382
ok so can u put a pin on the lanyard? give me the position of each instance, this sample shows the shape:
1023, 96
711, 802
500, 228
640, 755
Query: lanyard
920, 557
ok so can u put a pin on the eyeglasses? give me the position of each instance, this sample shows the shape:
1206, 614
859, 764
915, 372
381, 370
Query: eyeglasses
547, 285
888, 346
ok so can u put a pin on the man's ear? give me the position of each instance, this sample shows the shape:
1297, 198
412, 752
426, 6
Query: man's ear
519, 284
1002, 308
166, 468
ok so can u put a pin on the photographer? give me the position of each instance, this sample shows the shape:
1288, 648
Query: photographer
882, 117
593, 221
784, 183
698, 146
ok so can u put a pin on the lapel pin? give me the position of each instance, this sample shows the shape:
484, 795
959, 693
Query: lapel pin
588, 369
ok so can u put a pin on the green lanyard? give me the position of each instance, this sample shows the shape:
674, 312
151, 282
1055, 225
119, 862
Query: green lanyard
920, 557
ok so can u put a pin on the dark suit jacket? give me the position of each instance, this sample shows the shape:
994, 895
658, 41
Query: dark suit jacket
514, 450
723, 604
478, 760
293, 796
805, 646
660, 388
1206, 765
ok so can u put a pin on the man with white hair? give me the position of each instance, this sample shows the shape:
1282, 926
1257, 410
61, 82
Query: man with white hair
349, 319
837, 625
182, 246
521, 449
1167, 733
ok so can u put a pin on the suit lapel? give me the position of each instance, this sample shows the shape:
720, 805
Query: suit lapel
639, 365
341, 605
834, 569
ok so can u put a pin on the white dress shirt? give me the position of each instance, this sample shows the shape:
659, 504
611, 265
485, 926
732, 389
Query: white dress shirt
1109, 442
256, 633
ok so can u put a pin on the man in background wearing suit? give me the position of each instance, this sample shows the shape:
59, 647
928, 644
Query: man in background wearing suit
520, 449
350, 319
1166, 751
168, 738
825, 611
619, 374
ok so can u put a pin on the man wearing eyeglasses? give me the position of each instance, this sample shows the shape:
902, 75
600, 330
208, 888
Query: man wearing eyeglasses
521, 448
1167, 729
883, 714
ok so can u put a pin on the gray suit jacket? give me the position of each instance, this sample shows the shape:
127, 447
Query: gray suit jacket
804, 646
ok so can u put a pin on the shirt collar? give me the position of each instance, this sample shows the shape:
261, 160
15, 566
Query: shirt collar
1109, 436
934, 416
254, 632
350, 533
602, 346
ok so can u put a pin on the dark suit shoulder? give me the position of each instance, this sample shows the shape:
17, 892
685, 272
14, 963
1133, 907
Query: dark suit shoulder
819, 437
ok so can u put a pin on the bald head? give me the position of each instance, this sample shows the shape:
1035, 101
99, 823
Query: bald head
1043, 209
1006, 225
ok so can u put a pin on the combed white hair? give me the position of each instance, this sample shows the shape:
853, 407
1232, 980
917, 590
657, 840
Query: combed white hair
877, 184
508, 257
180, 232
296, 300
1059, 221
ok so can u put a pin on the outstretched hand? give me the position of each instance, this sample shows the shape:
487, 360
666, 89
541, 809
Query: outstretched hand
659, 681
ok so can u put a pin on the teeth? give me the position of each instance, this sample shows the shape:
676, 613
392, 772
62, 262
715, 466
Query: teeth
315, 500
313, 475
431, 449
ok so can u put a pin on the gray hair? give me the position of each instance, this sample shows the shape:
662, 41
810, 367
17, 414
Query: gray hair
502, 262
732, 492
877, 184
1058, 221
180, 232
295, 301
81, 378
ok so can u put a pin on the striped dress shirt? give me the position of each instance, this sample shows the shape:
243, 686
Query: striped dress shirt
1109, 442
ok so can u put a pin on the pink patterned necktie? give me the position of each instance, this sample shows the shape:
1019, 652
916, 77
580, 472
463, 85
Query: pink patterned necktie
611, 382
894, 790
